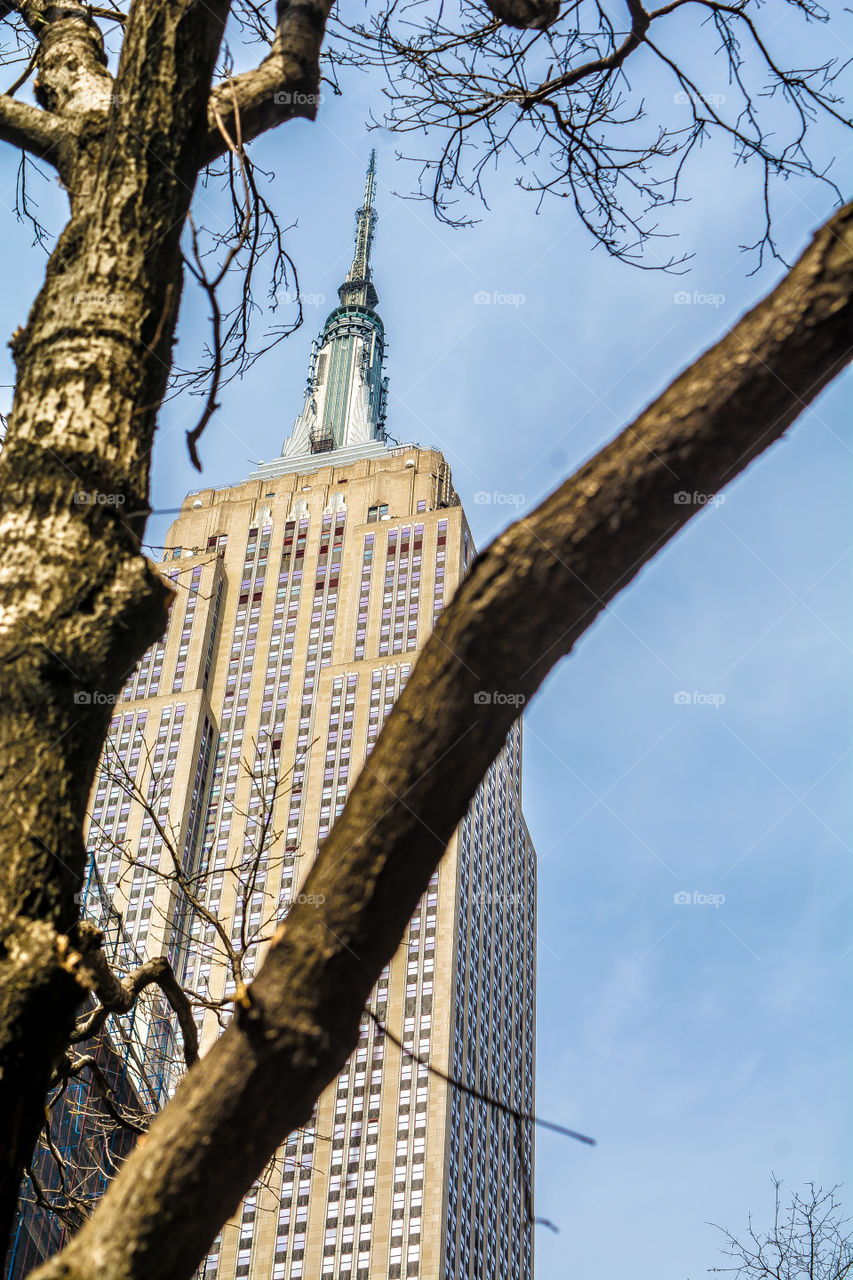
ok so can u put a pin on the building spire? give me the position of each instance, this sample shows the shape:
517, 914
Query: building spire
347, 390
358, 288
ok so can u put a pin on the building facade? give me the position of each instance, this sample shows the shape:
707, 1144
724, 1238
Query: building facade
304, 595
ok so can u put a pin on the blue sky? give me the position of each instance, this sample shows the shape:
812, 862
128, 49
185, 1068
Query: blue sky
703, 1044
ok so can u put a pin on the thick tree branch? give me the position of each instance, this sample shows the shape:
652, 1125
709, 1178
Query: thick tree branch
524, 604
533, 15
284, 85
33, 130
73, 80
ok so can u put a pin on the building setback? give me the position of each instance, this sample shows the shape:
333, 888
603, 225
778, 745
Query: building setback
304, 595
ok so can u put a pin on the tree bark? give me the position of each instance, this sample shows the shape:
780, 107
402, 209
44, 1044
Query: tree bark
524, 604
78, 603
33, 130
285, 85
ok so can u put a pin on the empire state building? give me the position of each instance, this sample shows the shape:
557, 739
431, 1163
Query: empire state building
304, 596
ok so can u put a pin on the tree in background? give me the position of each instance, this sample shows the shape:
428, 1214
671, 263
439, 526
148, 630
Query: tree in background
810, 1239
86, 1089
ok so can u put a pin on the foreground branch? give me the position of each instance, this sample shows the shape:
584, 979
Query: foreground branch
284, 85
533, 15
32, 130
525, 603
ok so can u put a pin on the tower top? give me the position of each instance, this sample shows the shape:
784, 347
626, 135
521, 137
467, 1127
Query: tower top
347, 391
358, 288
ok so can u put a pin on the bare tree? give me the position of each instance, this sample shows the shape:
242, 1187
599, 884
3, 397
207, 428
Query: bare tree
810, 1239
562, 102
126, 112
118, 978
188, 916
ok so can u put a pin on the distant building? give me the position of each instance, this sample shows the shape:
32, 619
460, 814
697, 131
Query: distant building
304, 596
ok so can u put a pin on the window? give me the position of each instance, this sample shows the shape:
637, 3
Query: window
379, 512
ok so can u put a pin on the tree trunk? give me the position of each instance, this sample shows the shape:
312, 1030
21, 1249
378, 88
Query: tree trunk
78, 602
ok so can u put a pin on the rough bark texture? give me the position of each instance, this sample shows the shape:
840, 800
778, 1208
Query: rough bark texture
33, 130
525, 603
78, 603
285, 85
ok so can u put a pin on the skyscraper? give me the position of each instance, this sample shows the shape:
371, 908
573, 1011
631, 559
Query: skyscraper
303, 596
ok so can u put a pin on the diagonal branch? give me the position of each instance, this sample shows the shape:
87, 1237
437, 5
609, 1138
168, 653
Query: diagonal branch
640, 22
525, 603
